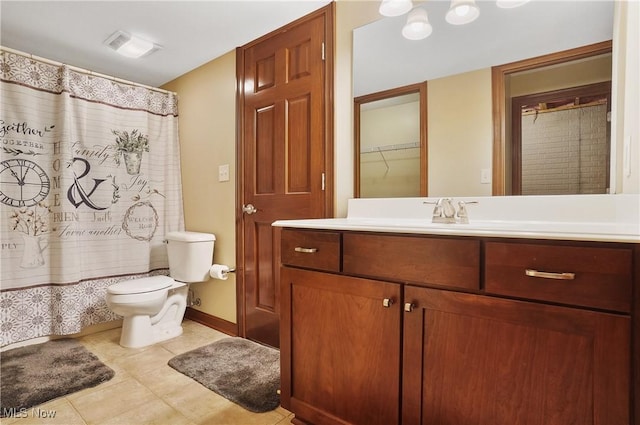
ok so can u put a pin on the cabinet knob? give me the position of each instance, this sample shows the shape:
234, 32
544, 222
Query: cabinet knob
387, 302
408, 307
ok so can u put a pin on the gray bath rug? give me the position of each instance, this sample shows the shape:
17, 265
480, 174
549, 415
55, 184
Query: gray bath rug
240, 370
38, 373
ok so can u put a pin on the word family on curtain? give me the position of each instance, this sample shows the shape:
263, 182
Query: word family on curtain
89, 186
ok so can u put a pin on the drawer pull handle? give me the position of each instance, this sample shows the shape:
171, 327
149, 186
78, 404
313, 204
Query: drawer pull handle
305, 250
387, 302
550, 275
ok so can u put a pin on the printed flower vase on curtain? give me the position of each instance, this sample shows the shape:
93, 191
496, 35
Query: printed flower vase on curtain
131, 146
89, 186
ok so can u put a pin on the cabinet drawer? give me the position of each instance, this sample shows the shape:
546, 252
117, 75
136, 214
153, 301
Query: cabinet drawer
418, 260
311, 249
583, 276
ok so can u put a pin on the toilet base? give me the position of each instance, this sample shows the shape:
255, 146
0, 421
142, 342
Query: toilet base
138, 332
143, 330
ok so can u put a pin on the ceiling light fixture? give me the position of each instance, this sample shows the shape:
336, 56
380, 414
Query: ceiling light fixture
130, 45
395, 7
462, 12
417, 26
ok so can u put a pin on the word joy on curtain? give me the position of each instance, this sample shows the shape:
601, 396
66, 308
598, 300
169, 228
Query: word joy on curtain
89, 186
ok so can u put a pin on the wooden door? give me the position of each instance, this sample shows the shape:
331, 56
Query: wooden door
476, 360
340, 353
285, 155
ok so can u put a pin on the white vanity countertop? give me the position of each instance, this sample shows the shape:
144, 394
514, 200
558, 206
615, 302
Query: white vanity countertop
604, 218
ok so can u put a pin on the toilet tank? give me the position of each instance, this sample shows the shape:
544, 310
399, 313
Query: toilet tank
190, 255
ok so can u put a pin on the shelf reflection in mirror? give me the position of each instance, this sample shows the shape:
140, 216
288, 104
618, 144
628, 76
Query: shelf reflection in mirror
390, 141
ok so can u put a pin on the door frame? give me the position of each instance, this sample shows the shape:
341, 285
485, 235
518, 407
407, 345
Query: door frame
329, 21
358, 102
499, 105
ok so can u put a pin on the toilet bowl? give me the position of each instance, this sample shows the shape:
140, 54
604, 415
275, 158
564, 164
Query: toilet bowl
145, 304
153, 307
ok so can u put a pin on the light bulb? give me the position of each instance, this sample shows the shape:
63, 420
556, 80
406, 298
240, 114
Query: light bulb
462, 10
417, 26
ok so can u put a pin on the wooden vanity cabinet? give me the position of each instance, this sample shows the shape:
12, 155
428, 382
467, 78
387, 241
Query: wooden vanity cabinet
340, 348
478, 360
484, 345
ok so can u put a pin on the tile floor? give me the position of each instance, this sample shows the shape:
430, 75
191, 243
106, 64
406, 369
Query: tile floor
146, 391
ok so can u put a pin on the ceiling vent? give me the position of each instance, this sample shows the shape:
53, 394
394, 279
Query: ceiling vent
130, 45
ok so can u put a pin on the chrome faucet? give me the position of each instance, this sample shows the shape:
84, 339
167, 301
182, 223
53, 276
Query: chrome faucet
445, 212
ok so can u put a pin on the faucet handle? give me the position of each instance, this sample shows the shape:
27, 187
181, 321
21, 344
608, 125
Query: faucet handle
437, 210
462, 216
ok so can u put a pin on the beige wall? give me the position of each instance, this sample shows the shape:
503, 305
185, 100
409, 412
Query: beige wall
460, 134
581, 73
206, 102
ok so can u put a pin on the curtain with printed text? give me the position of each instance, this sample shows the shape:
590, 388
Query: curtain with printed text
89, 186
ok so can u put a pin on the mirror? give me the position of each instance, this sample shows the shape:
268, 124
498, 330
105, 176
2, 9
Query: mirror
456, 62
390, 137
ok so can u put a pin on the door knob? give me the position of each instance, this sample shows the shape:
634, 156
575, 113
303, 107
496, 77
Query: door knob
249, 209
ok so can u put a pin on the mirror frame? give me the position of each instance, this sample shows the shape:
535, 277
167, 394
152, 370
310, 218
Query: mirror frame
498, 92
420, 88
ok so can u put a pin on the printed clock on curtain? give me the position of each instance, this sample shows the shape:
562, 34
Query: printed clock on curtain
23, 183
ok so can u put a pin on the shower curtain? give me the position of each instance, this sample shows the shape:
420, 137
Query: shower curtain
89, 186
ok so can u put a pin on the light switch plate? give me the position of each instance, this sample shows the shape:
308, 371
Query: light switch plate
485, 175
223, 173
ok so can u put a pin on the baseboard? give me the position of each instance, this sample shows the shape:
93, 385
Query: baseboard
211, 321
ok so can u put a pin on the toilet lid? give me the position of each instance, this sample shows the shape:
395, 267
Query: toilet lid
138, 286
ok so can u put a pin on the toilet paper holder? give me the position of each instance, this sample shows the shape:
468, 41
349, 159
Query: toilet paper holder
220, 271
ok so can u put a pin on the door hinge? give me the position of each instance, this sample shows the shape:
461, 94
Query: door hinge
323, 50
322, 181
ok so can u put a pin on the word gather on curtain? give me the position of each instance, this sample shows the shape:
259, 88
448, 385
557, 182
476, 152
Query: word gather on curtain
89, 186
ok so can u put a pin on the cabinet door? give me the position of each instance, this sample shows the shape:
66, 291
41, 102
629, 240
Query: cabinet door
340, 348
477, 360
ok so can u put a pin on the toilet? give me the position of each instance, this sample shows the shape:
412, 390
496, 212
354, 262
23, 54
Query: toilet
153, 307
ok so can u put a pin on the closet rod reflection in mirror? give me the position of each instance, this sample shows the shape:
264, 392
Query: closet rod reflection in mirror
391, 143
